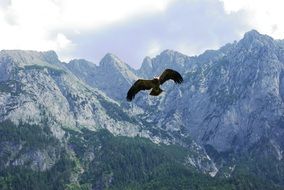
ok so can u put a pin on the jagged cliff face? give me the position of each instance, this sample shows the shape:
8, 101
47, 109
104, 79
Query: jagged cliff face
230, 99
39, 90
112, 76
37, 87
231, 102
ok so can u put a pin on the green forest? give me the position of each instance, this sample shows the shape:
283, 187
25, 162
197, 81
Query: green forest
99, 160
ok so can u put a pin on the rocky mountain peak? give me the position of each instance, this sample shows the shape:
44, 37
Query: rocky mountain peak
166, 59
51, 56
111, 60
111, 64
146, 66
146, 62
253, 39
24, 58
111, 71
81, 64
252, 34
169, 52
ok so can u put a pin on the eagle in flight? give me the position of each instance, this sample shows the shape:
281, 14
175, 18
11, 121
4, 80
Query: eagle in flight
154, 84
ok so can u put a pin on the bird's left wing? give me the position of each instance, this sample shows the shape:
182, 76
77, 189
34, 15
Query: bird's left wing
170, 74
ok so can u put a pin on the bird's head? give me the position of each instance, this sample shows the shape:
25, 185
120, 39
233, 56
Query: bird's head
156, 80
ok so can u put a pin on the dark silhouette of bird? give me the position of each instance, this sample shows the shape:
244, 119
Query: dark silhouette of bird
154, 84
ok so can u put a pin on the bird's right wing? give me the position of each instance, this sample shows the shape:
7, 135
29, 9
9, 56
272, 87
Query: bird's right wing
137, 86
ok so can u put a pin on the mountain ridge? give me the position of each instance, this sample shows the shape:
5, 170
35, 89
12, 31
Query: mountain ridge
228, 111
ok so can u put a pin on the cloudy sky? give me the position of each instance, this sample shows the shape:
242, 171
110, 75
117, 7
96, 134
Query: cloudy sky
133, 29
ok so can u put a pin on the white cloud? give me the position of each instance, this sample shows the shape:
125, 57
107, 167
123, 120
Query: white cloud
62, 41
98, 13
43, 24
27, 25
188, 26
133, 28
154, 49
264, 16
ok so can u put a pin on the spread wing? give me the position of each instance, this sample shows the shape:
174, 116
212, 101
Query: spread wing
170, 74
137, 86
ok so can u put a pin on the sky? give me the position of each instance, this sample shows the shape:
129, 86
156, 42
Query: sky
133, 29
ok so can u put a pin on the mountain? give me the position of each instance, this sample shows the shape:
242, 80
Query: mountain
38, 86
112, 76
167, 59
69, 126
229, 101
46, 114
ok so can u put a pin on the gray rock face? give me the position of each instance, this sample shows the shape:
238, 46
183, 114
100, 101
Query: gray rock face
36, 85
112, 76
231, 97
38, 89
167, 59
230, 100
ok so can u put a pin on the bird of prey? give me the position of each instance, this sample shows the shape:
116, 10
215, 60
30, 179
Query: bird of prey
154, 84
